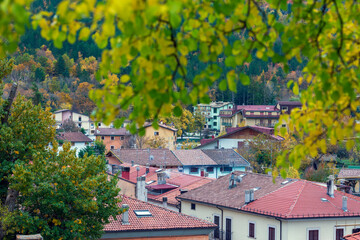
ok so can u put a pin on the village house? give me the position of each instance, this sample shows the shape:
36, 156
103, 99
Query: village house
211, 112
248, 205
207, 163
77, 140
113, 138
349, 180
143, 221
237, 137
155, 185
167, 133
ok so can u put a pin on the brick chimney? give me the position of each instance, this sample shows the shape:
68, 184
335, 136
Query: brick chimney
125, 173
141, 191
125, 215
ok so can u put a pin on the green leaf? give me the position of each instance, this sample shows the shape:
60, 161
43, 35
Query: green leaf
177, 111
245, 80
296, 89
222, 85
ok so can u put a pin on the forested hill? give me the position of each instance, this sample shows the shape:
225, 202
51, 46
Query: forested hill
62, 78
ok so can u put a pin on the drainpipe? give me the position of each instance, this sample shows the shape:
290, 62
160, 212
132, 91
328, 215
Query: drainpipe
222, 223
280, 227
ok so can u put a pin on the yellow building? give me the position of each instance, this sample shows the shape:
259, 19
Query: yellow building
250, 206
164, 132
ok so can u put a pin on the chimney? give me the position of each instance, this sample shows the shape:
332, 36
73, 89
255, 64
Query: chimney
251, 195
132, 163
247, 196
125, 173
232, 183
344, 203
125, 215
330, 186
109, 168
164, 202
147, 168
161, 178
141, 191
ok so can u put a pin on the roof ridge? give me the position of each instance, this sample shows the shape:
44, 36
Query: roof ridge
297, 198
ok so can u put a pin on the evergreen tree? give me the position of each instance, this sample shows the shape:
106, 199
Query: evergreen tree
60, 66
37, 96
40, 74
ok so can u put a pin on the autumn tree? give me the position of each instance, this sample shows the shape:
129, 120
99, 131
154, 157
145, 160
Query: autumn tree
62, 196
181, 123
81, 100
68, 125
156, 142
98, 149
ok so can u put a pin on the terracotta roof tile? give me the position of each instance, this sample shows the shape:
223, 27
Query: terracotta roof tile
141, 157
193, 157
354, 236
226, 157
73, 137
112, 132
161, 219
349, 173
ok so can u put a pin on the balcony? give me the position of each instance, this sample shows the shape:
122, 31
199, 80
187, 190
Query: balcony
226, 124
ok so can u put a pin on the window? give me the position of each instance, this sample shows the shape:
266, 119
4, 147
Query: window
156, 133
271, 233
92, 131
283, 125
122, 138
355, 230
210, 169
228, 229
215, 110
226, 169
217, 231
79, 119
193, 206
112, 147
215, 117
251, 229
313, 234
215, 124
194, 170
102, 138
339, 233
122, 147
99, 124
79, 125
142, 213
112, 138
72, 144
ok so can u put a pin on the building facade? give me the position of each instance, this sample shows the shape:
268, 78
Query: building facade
211, 112
114, 138
167, 133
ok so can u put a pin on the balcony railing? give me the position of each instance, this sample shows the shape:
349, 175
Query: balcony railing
227, 124
221, 235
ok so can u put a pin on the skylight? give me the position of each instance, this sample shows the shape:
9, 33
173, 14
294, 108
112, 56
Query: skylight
324, 200
257, 188
142, 213
286, 182
150, 182
158, 170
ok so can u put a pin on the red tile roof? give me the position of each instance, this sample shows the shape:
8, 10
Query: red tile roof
295, 199
161, 219
142, 171
112, 132
349, 173
257, 107
354, 236
161, 125
73, 137
162, 186
162, 157
193, 157
290, 103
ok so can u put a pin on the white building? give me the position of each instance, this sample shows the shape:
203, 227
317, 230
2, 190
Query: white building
211, 113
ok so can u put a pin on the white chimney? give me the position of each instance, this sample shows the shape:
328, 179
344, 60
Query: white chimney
251, 195
330, 186
164, 202
141, 191
161, 178
125, 215
247, 196
344, 203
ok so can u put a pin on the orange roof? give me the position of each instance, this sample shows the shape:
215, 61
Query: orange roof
354, 236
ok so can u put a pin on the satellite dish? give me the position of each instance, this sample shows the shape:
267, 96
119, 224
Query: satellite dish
151, 158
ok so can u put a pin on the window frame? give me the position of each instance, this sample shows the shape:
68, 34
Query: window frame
207, 170
218, 226
156, 134
197, 170
274, 227
252, 222
102, 137
112, 147
231, 221
112, 138
336, 228
193, 206
312, 229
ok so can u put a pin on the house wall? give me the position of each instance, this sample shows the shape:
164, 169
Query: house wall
168, 135
118, 141
76, 146
193, 237
291, 229
127, 188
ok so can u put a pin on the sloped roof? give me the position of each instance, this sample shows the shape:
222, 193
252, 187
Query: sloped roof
290, 103
349, 173
141, 157
354, 236
73, 137
193, 157
112, 132
160, 219
292, 200
161, 125
226, 157
257, 108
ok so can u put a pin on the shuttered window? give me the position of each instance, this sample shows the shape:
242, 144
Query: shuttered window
216, 231
313, 234
271, 233
339, 233
228, 229
252, 230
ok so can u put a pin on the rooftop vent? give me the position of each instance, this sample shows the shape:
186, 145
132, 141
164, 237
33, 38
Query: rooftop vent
150, 182
125, 215
158, 170
142, 213
324, 200
255, 189
344, 203
330, 186
286, 182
